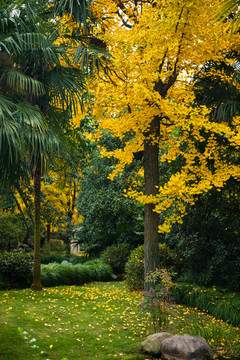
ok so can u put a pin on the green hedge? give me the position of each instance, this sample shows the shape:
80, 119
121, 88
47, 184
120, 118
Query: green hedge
15, 270
67, 274
218, 303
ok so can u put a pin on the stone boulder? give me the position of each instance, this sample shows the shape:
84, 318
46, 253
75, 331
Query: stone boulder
186, 347
152, 343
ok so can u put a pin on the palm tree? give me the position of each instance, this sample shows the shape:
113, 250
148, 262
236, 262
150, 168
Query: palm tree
221, 97
47, 86
229, 10
15, 111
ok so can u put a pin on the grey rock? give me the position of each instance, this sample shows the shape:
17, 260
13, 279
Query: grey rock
152, 343
186, 347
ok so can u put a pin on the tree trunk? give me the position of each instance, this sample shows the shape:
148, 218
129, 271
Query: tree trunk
36, 285
26, 204
26, 238
151, 218
48, 233
71, 204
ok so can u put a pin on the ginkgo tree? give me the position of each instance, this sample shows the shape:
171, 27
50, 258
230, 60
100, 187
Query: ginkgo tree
157, 47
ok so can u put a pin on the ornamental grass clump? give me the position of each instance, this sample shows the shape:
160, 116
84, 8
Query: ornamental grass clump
219, 303
158, 298
67, 274
58, 258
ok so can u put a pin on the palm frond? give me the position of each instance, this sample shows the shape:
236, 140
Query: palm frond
7, 106
226, 111
23, 83
36, 41
38, 46
43, 145
229, 10
228, 7
67, 88
9, 142
32, 117
4, 21
10, 45
79, 9
91, 58
18, 122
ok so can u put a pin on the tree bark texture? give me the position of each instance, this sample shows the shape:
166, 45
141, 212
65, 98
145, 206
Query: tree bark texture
48, 233
151, 218
71, 205
36, 285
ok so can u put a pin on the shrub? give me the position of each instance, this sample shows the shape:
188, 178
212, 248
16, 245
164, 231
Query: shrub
158, 297
116, 256
67, 274
135, 265
11, 231
135, 269
15, 270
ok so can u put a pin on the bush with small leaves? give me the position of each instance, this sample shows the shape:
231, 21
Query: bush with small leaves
116, 255
135, 269
11, 231
157, 299
135, 265
15, 270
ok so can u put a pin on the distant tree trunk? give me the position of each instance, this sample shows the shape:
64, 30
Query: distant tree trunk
27, 235
71, 204
26, 204
151, 218
67, 240
48, 233
36, 285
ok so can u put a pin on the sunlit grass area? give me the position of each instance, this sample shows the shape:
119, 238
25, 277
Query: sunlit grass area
95, 321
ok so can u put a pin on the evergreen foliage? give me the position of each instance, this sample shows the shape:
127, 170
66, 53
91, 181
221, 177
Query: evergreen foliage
15, 270
135, 265
12, 231
109, 216
208, 239
116, 256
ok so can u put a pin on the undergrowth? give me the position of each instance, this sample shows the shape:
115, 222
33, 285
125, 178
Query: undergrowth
218, 303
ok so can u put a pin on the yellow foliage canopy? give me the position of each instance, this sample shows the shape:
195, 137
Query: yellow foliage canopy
157, 47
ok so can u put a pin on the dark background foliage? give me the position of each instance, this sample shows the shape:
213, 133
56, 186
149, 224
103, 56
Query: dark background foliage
109, 216
208, 240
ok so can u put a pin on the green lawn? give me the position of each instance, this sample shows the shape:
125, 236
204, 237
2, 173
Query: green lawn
95, 321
